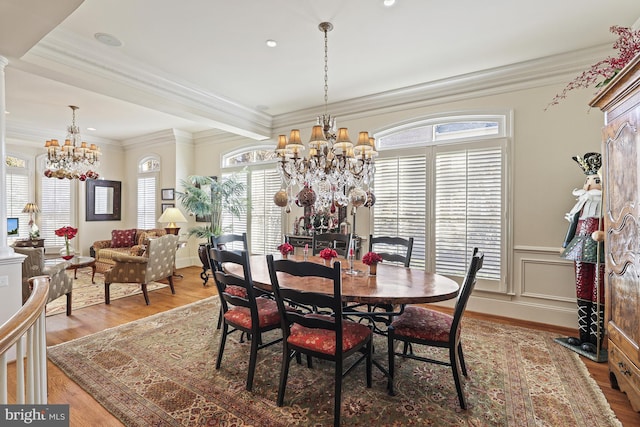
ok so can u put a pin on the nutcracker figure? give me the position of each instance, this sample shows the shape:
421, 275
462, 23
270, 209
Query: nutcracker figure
584, 245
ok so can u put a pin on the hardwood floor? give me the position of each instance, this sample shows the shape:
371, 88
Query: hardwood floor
85, 411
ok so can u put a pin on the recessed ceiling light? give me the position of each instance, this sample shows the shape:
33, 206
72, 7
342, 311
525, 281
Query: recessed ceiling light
389, 3
272, 43
108, 39
91, 129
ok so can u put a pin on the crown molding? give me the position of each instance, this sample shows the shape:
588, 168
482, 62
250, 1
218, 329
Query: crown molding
519, 76
36, 137
155, 139
82, 61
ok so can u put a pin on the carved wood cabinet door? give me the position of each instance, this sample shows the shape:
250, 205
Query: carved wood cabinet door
621, 163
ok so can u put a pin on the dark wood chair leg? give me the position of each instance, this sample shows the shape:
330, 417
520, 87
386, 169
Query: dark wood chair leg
69, 303
337, 403
107, 295
284, 373
456, 375
170, 279
145, 293
223, 340
390, 352
252, 361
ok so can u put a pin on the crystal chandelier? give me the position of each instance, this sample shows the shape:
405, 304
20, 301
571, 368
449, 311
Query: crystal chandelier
335, 172
74, 159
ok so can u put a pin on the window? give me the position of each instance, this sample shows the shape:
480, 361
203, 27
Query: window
401, 199
17, 194
230, 223
450, 194
55, 209
263, 221
266, 222
148, 169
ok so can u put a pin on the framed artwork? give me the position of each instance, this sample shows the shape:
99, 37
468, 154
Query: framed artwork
165, 206
103, 200
168, 194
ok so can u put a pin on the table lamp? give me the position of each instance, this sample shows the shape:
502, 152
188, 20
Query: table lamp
31, 208
172, 215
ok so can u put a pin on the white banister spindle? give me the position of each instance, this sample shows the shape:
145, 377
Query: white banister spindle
20, 371
3, 379
27, 325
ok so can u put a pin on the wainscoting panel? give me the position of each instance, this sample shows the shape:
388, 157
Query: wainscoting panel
543, 289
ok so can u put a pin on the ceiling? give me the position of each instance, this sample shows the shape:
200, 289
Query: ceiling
202, 64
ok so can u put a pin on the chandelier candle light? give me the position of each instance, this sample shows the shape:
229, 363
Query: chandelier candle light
73, 159
336, 171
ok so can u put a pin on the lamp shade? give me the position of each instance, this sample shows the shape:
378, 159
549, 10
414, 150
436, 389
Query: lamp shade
31, 208
172, 215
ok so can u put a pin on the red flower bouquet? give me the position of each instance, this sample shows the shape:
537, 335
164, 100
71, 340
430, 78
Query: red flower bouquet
371, 258
328, 253
285, 248
68, 233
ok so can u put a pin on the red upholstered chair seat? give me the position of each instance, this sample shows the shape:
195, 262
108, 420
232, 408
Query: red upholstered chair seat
267, 314
423, 324
324, 340
236, 291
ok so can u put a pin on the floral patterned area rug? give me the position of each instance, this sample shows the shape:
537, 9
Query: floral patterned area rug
86, 293
161, 371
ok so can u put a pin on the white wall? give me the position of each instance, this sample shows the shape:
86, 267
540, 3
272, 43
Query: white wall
541, 285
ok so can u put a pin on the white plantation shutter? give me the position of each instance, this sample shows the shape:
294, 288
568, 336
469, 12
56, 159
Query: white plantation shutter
230, 223
147, 202
55, 209
17, 196
468, 210
266, 217
401, 197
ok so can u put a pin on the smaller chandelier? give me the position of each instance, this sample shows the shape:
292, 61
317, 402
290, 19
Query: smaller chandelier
75, 158
335, 172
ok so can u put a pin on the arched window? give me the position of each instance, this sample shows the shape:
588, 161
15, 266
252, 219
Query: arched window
255, 167
148, 171
443, 180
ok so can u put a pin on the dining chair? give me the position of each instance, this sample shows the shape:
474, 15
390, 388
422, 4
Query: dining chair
392, 249
327, 336
423, 326
243, 307
330, 240
235, 241
221, 242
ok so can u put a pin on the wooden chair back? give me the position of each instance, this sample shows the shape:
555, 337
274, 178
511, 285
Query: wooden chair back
390, 248
329, 240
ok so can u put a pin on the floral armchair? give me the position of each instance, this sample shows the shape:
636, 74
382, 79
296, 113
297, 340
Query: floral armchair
157, 263
128, 242
34, 265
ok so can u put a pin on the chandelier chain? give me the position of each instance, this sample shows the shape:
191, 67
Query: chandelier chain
326, 71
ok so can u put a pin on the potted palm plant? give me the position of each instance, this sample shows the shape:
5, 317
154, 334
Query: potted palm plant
207, 197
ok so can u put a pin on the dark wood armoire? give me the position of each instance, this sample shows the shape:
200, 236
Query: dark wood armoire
620, 101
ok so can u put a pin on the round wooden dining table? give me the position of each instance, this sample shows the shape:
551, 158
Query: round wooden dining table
392, 284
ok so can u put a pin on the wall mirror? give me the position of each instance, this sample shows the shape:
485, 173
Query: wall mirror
103, 200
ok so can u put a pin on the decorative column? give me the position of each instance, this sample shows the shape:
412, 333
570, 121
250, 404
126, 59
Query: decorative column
10, 262
5, 250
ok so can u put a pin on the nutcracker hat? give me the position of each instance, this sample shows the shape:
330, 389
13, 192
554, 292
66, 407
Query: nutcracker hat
590, 163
